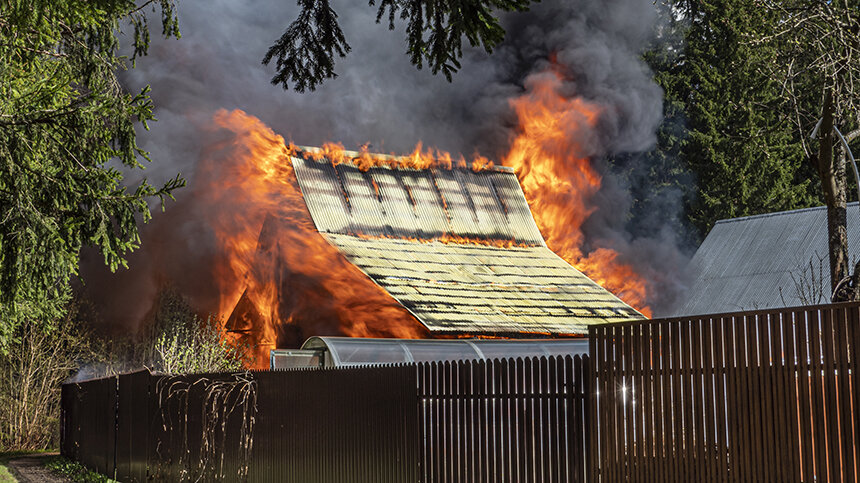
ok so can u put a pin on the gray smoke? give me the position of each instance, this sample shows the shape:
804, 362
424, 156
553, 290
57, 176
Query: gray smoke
381, 99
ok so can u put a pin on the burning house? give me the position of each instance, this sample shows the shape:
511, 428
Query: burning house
446, 250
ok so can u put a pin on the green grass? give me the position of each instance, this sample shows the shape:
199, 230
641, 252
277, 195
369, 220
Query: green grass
5, 475
74, 471
59, 465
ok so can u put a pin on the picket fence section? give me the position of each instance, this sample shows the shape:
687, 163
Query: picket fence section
752, 396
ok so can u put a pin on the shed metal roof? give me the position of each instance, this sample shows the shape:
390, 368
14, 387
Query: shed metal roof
387, 222
757, 262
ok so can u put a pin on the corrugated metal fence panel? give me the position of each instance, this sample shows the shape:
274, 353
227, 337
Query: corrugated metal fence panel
345, 425
522, 420
752, 396
90, 423
132, 428
69, 416
508, 420
200, 426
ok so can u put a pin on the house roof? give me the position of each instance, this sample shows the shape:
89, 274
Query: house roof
765, 261
459, 249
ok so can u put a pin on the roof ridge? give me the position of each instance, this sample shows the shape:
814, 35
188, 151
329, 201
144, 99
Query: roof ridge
778, 213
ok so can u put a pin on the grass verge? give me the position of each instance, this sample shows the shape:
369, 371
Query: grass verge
74, 471
5, 474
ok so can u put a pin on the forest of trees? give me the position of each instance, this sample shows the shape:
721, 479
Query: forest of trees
755, 92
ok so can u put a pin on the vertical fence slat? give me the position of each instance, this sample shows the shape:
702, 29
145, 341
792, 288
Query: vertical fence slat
646, 383
829, 379
853, 337
504, 422
667, 407
721, 428
628, 455
709, 441
497, 471
844, 394
745, 411
596, 442
804, 387
687, 389
677, 457
551, 420
767, 429
792, 400
782, 448
608, 430
655, 400
733, 442
817, 398
698, 403
583, 414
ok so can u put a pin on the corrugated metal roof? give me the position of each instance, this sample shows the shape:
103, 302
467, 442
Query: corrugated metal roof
384, 221
757, 262
410, 203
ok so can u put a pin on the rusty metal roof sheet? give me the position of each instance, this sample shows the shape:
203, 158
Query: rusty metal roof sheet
385, 220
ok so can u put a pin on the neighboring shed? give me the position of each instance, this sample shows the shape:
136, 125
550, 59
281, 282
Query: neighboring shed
459, 249
765, 261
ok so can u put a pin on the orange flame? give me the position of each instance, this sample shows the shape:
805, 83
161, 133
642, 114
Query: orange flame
292, 278
449, 238
559, 181
418, 159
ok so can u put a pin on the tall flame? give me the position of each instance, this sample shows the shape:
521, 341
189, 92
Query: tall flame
290, 275
287, 276
559, 181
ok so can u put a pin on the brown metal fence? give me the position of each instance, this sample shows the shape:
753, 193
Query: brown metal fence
507, 420
511, 420
754, 396
350, 425
92, 443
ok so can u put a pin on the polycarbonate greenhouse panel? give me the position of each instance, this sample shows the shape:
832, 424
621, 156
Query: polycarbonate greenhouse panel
357, 351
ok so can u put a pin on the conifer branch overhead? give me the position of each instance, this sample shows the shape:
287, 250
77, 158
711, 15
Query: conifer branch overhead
63, 118
435, 29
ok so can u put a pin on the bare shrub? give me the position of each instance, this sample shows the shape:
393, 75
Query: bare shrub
39, 359
811, 285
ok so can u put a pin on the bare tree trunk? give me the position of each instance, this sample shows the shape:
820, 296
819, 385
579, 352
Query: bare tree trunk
831, 171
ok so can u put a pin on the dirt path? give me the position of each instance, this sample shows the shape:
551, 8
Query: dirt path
31, 469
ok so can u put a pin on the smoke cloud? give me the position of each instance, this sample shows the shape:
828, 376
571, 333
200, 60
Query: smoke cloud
381, 99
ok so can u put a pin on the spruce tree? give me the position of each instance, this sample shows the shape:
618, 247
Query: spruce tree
65, 126
745, 157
